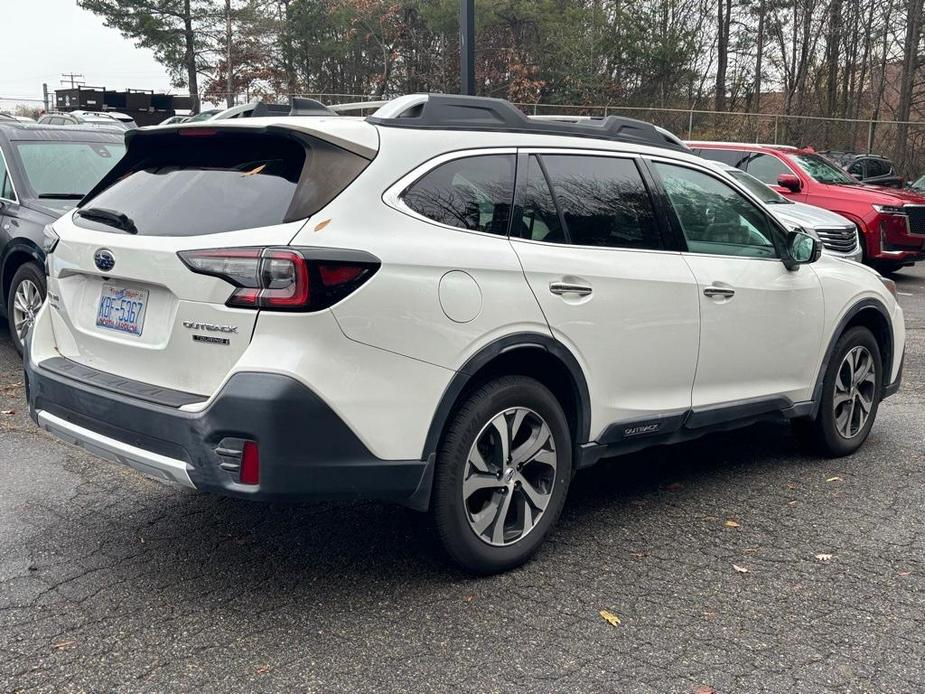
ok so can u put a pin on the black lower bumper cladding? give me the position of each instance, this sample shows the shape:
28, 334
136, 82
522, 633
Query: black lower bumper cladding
306, 451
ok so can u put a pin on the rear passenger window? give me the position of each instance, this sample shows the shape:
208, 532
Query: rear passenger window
603, 202
472, 193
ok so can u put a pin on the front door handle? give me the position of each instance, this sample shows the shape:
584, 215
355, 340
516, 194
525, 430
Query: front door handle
723, 292
560, 288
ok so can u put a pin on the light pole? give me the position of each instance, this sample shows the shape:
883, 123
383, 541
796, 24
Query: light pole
467, 47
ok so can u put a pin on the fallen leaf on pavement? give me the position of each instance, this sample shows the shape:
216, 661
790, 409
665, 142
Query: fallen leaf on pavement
610, 618
263, 669
834, 479
740, 569
751, 550
731, 524
823, 557
62, 644
469, 598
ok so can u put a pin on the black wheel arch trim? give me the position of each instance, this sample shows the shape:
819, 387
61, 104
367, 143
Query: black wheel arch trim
849, 315
490, 352
17, 245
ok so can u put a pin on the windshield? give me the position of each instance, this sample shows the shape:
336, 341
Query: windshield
823, 171
67, 168
758, 189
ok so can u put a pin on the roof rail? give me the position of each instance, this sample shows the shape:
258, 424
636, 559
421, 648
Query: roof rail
450, 112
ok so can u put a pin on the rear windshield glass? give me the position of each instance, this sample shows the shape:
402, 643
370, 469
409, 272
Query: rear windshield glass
67, 169
190, 186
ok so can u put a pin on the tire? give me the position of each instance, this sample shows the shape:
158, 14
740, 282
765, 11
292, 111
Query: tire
840, 428
468, 526
27, 292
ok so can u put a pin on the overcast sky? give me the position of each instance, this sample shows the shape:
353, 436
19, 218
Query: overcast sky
40, 39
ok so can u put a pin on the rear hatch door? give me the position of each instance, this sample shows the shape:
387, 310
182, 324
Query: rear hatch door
126, 303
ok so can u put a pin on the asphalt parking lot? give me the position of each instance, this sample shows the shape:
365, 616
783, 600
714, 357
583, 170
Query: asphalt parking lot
735, 563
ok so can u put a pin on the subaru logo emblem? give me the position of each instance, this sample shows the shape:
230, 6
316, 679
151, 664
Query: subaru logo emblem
104, 260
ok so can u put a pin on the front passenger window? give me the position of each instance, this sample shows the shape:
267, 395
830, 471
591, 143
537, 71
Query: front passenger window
766, 168
714, 217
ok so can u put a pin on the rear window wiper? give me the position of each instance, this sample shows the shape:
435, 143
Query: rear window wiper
61, 196
111, 218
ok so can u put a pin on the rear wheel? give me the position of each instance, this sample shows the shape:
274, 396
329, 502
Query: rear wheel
850, 395
502, 475
27, 292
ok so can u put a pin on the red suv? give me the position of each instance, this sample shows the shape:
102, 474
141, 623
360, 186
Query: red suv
892, 221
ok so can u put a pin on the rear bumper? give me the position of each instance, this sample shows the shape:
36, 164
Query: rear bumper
306, 451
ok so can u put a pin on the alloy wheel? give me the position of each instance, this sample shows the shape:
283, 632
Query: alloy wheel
509, 477
855, 390
26, 302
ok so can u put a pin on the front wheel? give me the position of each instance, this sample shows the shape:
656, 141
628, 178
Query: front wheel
850, 395
27, 292
502, 475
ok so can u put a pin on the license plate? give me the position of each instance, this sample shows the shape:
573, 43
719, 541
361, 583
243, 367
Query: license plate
122, 309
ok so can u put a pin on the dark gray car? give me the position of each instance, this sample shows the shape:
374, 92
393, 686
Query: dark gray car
44, 171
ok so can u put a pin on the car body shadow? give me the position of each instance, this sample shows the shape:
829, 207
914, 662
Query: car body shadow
337, 547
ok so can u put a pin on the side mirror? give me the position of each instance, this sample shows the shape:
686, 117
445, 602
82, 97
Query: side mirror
801, 248
790, 181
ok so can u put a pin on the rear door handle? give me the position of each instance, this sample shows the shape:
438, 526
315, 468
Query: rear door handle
724, 292
560, 288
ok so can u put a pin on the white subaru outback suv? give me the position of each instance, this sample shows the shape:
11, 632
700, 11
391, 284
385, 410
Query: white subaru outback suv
447, 305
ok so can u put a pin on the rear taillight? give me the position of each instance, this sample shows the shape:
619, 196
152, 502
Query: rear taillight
284, 279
